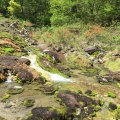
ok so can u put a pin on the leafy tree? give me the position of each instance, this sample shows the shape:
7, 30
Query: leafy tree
3, 6
14, 8
61, 11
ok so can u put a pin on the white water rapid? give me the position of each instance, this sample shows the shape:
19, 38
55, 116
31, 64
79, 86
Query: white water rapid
49, 76
9, 77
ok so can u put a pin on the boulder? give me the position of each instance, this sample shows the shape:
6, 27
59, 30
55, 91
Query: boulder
57, 57
25, 75
42, 46
18, 66
46, 113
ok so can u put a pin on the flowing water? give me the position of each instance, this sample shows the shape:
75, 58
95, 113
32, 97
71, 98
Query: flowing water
49, 76
9, 77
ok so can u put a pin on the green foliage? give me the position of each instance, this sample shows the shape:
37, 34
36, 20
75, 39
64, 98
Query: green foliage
61, 11
3, 6
54, 12
14, 8
69, 11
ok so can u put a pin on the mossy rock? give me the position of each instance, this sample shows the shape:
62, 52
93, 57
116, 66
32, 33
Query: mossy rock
14, 91
48, 89
48, 113
28, 102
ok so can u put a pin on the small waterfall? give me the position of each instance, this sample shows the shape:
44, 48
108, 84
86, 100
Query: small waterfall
46, 74
9, 77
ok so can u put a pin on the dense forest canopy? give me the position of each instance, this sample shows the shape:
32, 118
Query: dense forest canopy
54, 12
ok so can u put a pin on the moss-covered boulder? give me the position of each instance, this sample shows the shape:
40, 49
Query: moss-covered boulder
47, 113
78, 105
14, 91
48, 89
28, 102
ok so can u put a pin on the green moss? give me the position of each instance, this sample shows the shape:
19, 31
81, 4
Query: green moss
28, 103
5, 97
113, 65
118, 85
81, 103
8, 50
117, 114
90, 71
18, 80
93, 114
92, 94
97, 108
49, 89
50, 69
14, 91
59, 110
28, 116
111, 94
101, 102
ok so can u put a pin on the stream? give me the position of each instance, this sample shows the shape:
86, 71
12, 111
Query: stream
46, 74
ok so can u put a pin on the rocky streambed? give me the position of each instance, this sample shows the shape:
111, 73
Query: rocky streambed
57, 81
83, 98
